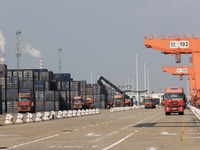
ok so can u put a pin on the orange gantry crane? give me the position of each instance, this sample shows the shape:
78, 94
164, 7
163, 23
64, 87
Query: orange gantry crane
179, 44
184, 71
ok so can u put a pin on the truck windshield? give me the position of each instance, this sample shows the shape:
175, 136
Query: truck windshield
24, 99
77, 101
174, 96
148, 101
118, 99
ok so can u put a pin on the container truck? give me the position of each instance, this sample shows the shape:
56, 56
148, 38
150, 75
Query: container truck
88, 103
78, 102
175, 100
118, 101
26, 101
149, 102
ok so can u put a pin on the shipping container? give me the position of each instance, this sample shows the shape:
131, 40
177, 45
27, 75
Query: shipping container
3, 82
12, 94
12, 107
39, 96
28, 75
97, 104
39, 86
61, 77
39, 106
83, 84
9, 73
65, 86
12, 82
49, 95
28, 85
46, 76
89, 91
18, 73
49, 105
57, 95
4, 107
3, 70
75, 86
56, 105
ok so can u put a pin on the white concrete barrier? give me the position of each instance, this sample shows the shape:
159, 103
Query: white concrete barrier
74, 113
46, 116
69, 113
97, 111
117, 109
53, 115
86, 112
20, 118
64, 114
9, 119
60, 115
39, 116
79, 113
195, 111
29, 118
82, 112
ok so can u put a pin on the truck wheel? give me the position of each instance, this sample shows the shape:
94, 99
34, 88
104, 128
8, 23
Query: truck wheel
167, 113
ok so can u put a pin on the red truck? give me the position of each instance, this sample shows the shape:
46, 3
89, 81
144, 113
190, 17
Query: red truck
175, 100
149, 102
78, 102
26, 102
88, 103
118, 101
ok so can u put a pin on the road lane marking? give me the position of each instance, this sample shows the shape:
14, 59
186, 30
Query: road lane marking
183, 128
105, 136
76, 146
116, 143
151, 148
193, 137
166, 133
34, 141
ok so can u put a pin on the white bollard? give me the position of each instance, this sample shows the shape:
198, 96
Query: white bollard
20, 118
60, 115
9, 119
74, 113
64, 114
111, 109
29, 118
53, 115
38, 116
69, 113
46, 116
82, 112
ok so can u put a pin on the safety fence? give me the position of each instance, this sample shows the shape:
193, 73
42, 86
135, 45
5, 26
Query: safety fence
8, 119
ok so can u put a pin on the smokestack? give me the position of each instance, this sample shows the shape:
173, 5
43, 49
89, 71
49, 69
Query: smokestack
40, 63
2, 59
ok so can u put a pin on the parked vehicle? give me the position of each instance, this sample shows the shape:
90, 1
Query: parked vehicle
149, 102
78, 102
175, 101
118, 101
26, 102
88, 103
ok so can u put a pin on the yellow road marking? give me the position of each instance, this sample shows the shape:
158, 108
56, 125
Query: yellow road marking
182, 129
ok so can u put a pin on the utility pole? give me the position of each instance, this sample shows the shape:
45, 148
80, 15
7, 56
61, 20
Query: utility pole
148, 81
145, 78
60, 60
91, 76
137, 83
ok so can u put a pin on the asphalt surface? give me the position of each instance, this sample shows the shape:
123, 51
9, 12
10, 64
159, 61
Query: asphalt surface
138, 129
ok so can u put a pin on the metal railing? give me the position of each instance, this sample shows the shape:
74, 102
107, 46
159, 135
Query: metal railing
172, 36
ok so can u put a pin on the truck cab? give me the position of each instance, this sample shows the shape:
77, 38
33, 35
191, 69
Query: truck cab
175, 101
78, 102
149, 102
88, 103
26, 102
118, 101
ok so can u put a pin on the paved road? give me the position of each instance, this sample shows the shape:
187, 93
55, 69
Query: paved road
141, 129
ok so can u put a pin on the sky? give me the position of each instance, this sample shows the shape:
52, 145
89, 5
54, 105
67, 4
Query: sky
102, 36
